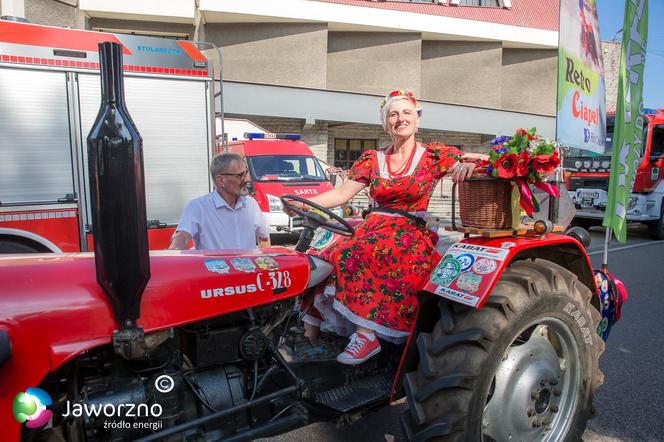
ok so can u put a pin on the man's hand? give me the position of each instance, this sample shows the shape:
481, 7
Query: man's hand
264, 242
180, 241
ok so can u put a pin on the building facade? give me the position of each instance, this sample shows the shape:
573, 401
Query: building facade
320, 68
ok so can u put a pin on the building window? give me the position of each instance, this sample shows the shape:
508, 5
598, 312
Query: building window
494, 3
171, 35
346, 151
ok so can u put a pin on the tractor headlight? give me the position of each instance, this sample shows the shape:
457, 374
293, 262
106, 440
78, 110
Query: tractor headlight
274, 203
606, 164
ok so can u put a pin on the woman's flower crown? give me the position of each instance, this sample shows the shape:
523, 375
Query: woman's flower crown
402, 93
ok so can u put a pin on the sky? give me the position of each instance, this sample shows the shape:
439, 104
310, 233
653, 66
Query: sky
611, 17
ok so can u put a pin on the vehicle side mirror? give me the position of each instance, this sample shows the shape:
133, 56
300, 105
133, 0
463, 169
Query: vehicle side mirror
333, 179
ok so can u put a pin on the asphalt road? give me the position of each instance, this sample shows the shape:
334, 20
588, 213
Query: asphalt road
629, 405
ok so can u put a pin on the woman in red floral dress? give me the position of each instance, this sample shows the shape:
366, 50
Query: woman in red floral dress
377, 272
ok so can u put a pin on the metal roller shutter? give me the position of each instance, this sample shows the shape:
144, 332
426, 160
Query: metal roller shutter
35, 144
171, 116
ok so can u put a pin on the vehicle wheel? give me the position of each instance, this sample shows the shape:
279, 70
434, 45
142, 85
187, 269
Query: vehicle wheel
9, 246
524, 367
656, 228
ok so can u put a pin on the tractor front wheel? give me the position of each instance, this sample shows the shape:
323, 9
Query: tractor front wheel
522, 368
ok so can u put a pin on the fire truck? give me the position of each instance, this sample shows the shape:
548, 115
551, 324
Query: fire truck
281, 164
49, 98
587, 179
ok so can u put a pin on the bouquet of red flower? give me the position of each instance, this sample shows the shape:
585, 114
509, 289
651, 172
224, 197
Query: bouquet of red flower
526, 159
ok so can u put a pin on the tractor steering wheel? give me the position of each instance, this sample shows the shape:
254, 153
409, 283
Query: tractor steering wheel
340, 226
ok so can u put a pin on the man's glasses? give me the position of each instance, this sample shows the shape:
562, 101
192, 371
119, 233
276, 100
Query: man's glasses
239, 175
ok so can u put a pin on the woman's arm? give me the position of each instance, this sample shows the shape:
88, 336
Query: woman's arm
339, 195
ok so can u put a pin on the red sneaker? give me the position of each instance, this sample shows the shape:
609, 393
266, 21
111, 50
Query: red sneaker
359, 349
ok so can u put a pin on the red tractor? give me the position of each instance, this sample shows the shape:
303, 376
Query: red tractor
211, 348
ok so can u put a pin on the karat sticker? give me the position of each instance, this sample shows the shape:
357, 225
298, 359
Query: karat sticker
266, 263
507, 245
457, 296
466, 261
484, 266
469, 282
217, 266
605, 286
446, 271
243, 264
479, 251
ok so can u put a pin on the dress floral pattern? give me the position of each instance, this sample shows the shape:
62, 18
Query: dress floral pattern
378, 271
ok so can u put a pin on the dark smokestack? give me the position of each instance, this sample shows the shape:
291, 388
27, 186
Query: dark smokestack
117, 187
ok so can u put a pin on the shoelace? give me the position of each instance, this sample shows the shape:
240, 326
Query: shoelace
355, 345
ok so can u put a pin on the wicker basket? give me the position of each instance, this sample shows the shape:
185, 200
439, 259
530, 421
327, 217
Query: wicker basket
485, 203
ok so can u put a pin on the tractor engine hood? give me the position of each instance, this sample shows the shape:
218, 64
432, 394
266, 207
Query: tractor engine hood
52, 307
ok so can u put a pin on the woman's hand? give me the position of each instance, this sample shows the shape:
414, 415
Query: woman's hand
461, 171
298, 205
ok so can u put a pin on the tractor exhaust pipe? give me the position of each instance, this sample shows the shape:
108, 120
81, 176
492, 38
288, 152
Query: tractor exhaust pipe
119, 221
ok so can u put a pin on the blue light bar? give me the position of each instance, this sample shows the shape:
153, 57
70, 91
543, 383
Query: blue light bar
260, 136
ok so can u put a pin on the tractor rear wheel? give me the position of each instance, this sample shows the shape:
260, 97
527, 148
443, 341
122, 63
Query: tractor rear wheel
524, 367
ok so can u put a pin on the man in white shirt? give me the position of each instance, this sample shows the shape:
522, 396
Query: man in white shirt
226, 218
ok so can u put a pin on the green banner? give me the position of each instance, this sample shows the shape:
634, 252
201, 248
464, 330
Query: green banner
628, 129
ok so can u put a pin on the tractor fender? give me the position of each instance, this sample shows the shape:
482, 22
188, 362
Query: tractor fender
29, 238
484, 253
468, 270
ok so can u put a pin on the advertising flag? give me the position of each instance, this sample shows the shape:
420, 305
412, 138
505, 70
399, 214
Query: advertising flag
628, 130
581, 103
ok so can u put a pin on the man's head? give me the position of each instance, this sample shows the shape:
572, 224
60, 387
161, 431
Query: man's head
230, 174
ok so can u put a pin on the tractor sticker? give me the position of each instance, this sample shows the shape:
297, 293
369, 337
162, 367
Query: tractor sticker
446, 271
217, 266
454, 295
507, 245
321, 238
231, 290
480, 251
266, 263
466, 261
484, 266
467, 272
654, 174
243, 264
469, 282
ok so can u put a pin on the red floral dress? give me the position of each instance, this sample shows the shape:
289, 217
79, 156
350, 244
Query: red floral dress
378, 271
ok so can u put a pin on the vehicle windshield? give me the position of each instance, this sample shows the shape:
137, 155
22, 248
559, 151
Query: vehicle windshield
286, 168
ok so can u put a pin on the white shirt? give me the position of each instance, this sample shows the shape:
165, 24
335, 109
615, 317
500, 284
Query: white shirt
213, 224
